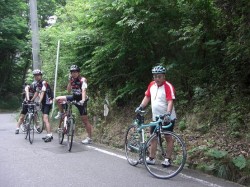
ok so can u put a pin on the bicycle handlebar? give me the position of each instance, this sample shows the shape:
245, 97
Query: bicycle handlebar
159, 118
30, 103
142, 112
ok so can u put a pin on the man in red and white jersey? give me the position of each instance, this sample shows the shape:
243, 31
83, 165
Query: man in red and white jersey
161, 93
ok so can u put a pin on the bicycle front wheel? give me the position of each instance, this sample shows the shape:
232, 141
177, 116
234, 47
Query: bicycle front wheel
23, 126
70, 133
132, 145
39, 123
60, 132
26, 126
31, 129
161, 146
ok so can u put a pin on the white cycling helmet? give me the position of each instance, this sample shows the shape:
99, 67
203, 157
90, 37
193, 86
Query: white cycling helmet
158, 70
37, 72
74, 68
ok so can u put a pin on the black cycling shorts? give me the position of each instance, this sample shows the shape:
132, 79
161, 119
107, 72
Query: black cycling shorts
81, 108
167, 129
46, 109
24, 109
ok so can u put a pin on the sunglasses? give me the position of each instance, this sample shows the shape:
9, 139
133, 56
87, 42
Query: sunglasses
74, 72
158, 76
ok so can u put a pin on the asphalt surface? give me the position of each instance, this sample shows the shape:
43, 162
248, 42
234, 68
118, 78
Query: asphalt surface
50, 164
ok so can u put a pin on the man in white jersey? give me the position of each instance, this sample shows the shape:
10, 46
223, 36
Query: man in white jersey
161, 93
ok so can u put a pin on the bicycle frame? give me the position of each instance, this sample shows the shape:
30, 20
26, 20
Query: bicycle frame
139, 122
67, 106
157, 124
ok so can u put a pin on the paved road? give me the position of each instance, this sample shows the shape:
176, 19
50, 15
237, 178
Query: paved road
49, 164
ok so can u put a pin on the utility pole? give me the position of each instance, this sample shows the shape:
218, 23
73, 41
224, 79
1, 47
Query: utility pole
35, 34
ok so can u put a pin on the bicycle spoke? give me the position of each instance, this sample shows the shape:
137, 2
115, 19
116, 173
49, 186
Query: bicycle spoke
162, 151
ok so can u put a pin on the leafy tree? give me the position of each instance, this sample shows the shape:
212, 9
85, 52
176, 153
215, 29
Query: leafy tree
13, 27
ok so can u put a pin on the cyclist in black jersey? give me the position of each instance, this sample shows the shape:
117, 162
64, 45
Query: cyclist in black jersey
28, 94
78, 86
45, 94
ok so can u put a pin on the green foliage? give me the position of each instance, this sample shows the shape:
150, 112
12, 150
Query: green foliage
217, 153
240, 162
13, 27
9, 102
182, 125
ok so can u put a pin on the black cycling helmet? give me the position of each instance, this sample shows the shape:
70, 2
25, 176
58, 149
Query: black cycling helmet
159, 70
74, 68
37, 72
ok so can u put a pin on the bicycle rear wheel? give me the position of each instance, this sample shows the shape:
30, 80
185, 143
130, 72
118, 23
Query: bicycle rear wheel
70, 133
39, 123
163, 150
31, 129
132, 145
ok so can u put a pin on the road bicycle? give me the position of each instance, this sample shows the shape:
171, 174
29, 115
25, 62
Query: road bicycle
67, 124
138, 144
39, 127
32, 121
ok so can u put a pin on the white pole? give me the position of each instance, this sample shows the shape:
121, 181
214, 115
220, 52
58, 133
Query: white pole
57, 61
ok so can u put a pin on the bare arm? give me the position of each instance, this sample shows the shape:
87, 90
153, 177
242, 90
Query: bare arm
41, 96
145, 101
84, 89
83, 94
26, 89
170, 106
35, 96
69, 87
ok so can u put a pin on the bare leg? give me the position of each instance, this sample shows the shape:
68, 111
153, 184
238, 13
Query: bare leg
153, 147
170, 145
20, 120
47, 124
87, 124
59, 100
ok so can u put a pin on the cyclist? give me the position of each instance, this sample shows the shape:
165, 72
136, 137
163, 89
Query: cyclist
162, 95
28, 93
45, 94
77, 85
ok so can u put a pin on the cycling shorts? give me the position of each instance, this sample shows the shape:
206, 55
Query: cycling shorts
24, 109
46, 109
81, 108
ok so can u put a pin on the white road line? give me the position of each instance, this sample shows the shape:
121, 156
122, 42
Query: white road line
107, 152
182, 175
